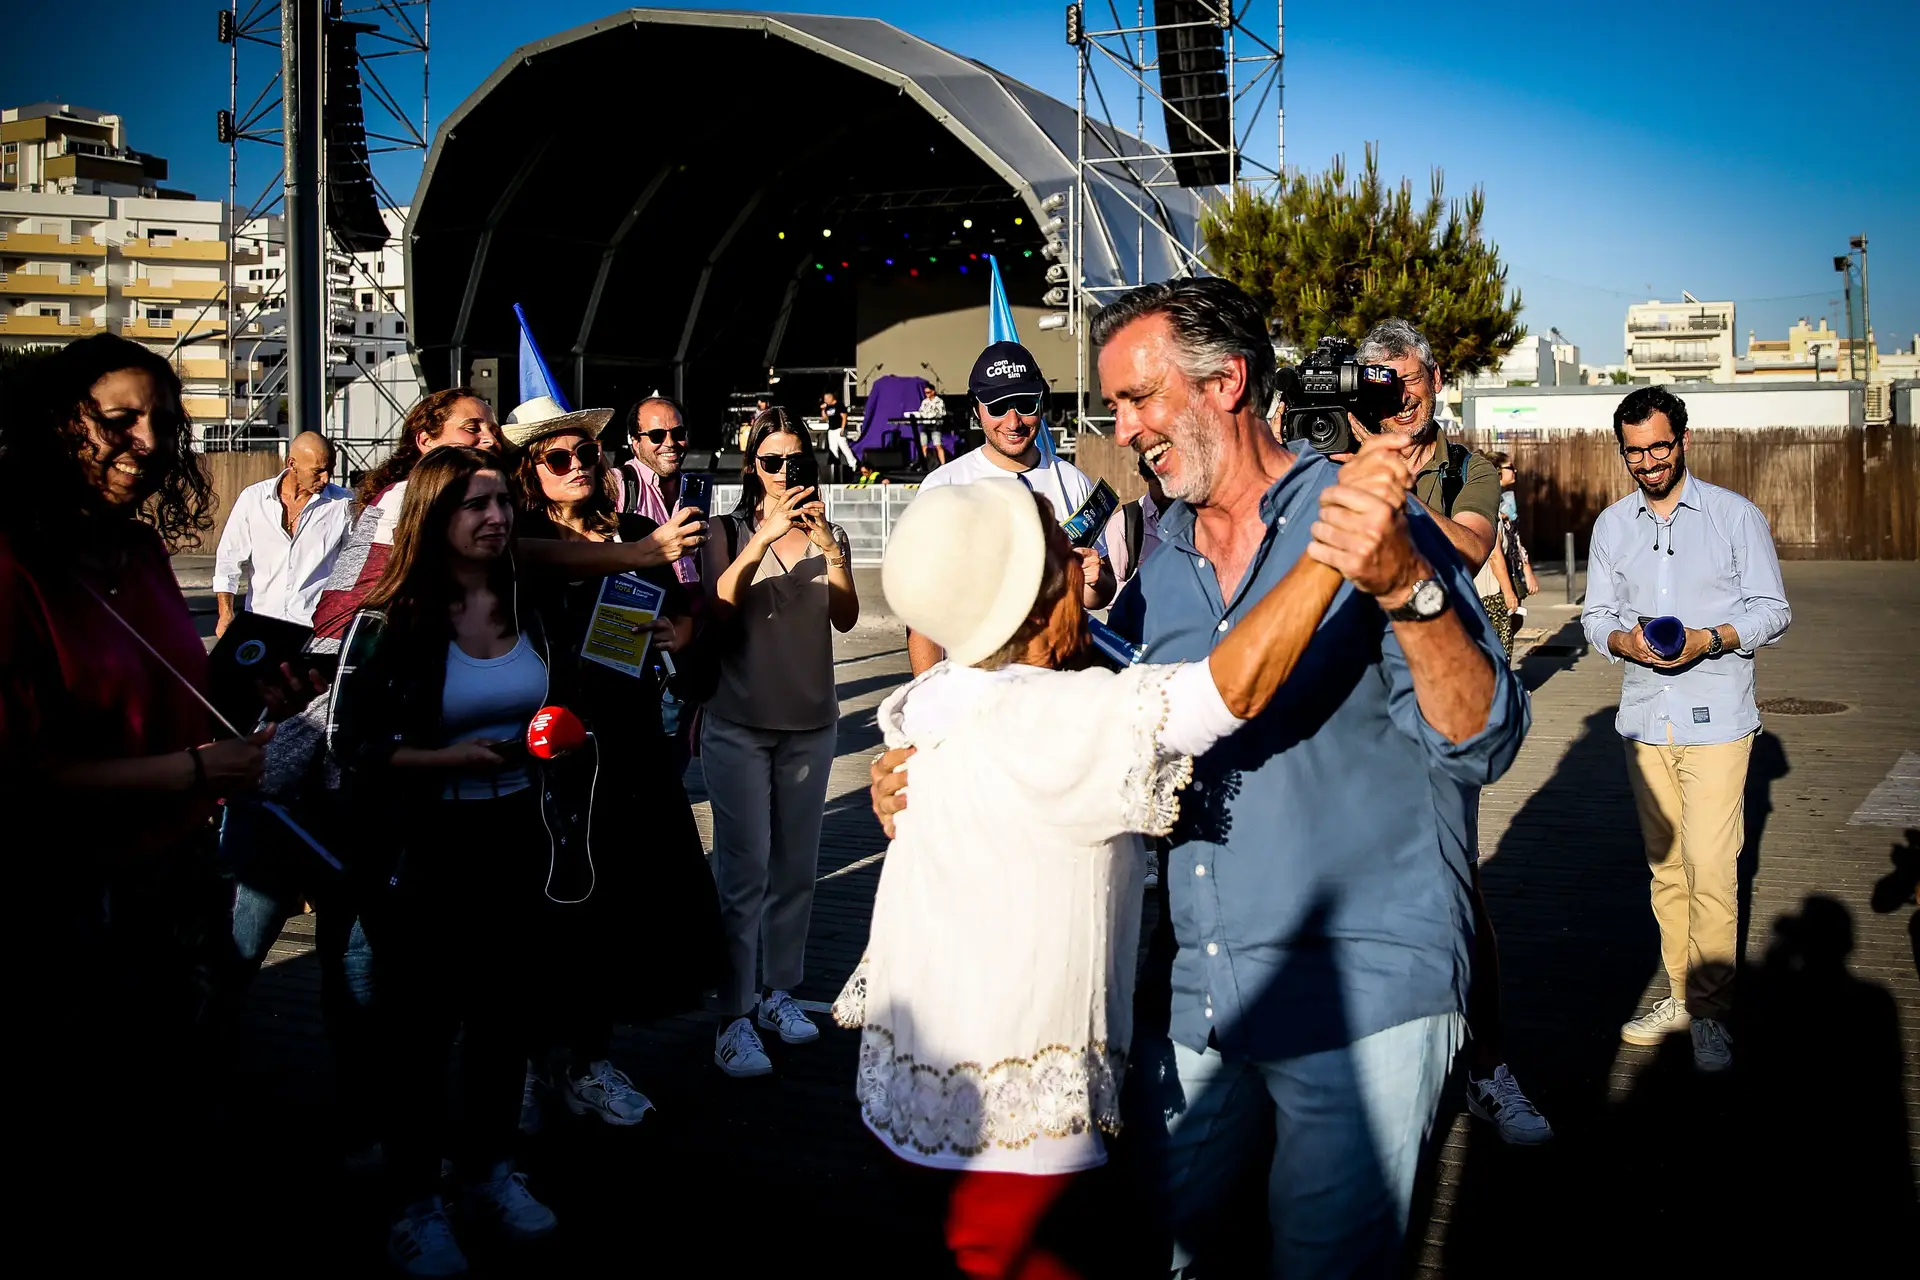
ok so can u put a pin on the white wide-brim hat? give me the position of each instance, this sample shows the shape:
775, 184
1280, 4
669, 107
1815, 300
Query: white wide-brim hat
542, 416
963, 565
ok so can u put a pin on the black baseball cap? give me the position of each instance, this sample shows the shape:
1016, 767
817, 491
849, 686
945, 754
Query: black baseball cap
1004, 369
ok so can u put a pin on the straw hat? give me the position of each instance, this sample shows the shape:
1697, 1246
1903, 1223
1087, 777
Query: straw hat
542, 416
963, 565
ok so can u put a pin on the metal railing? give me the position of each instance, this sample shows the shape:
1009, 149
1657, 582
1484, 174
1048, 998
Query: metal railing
1693, 324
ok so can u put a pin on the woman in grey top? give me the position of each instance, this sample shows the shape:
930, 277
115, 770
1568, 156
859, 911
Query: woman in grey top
767, 739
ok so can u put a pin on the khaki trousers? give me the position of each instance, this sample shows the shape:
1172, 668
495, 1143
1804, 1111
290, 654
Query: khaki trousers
1693, 816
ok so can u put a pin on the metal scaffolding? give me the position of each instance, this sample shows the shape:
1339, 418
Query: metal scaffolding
1150, 58
387, 41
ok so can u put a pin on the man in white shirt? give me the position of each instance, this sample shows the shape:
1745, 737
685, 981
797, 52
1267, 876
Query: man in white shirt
1009, 396
285, 533
933, 424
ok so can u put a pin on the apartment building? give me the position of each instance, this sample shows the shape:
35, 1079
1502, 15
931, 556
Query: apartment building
89, 243
367, 320
1685, 341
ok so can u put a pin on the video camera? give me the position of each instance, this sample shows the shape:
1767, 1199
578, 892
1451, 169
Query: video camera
1328, 385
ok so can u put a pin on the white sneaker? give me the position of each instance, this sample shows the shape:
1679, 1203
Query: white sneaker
421, 1242
781, 1012
1667, 1018
605, 1091
533, 1106
1712, 1045
507, 1208
1499, 1101
738, 1051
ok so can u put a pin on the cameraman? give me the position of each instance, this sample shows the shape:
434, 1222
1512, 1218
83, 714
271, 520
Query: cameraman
1460, 489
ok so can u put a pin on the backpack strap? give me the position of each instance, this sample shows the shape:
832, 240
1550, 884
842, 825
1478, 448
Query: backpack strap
1453, 476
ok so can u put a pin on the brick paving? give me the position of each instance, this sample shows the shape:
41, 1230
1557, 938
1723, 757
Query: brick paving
1806, 1152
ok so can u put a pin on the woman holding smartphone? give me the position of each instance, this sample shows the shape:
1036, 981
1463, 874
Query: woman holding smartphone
782, 582
646, 943
440, 673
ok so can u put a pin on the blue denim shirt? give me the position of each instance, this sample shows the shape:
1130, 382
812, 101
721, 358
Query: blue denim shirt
1320, 872
1711, 562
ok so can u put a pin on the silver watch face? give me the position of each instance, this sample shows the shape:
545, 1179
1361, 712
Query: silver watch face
1429, 598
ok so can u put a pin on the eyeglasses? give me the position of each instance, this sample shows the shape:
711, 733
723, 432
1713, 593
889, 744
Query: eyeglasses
659, 435
1658, 451
1026, 405
772, 462
560, 461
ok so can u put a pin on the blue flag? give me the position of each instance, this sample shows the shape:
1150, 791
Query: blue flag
535, 378
999, 313
1000, 328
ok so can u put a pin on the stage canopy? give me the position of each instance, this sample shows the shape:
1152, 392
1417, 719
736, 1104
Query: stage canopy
683, 199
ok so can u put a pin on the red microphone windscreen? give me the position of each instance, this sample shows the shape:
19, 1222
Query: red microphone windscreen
553, 732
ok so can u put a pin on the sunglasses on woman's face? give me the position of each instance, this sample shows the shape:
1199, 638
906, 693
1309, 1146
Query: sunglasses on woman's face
560, 461
659, 435
773, 462
1027, 406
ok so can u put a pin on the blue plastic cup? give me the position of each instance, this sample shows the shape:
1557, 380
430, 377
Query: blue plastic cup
1665, 636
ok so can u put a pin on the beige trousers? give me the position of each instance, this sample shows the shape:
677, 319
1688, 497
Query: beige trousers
1693, 816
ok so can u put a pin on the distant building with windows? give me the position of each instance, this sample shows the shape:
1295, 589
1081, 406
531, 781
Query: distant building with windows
90, 243
1685, 341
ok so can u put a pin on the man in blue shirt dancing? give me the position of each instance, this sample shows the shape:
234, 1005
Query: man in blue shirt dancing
1319, 877
1679, 547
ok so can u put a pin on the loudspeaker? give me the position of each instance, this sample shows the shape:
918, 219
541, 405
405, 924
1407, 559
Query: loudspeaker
697, 460
1193, 87
727, 464
353, 209
887, 459
485, 381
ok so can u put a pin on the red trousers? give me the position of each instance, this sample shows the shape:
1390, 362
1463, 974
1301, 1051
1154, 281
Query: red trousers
992, 1219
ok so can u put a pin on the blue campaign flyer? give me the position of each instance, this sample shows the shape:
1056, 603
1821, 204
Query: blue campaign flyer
617, 634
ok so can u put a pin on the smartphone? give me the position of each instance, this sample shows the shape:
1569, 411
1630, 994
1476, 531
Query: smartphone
803, 471
696, 491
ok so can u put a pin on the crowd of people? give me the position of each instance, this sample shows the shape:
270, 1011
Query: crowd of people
447, 774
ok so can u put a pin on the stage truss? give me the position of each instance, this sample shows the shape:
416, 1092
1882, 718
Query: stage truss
1248, 143
390, 52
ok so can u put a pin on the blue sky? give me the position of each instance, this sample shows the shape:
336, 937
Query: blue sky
1627, 151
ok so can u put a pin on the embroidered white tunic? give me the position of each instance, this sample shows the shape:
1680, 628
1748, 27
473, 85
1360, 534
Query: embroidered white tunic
996, 994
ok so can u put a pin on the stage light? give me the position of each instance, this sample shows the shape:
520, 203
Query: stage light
1058, 320
967, 223
1051, 226
1055, 297
819, 266
1054, 203
829, 277
913, 271
931, 258
889, 261
1019, 222
1057, 273
783, 235
1026, 253
843, 264
963, 268
973, 257
826, 231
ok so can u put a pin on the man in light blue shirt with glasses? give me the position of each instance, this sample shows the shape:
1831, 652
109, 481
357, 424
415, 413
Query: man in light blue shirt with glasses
1681, 548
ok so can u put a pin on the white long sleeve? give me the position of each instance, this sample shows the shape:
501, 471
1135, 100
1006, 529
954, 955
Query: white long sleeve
1197, 716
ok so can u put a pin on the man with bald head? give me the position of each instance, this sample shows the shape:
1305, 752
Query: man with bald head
284, 535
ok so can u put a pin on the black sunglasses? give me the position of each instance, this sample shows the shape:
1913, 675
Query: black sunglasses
560, 461
772, 462
659, 435
1027, 405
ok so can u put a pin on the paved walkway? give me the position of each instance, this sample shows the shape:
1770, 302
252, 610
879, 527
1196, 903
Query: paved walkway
1809, 1147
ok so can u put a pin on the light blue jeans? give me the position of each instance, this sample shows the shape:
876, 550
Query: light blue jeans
1348, 1128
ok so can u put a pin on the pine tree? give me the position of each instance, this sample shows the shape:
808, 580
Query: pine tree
1331, 256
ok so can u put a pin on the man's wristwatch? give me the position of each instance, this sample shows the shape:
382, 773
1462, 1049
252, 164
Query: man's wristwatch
1428, 601
1715, 646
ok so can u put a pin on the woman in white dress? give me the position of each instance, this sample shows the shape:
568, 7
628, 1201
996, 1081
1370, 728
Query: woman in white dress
995, 998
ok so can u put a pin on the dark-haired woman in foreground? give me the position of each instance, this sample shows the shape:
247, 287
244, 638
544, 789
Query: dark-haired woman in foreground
104, 740
440, 674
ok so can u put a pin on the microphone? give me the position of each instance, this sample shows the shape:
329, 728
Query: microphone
553, 732
1666, 636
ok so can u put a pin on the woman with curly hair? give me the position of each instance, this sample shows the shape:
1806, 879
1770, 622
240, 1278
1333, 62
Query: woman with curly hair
103, 729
